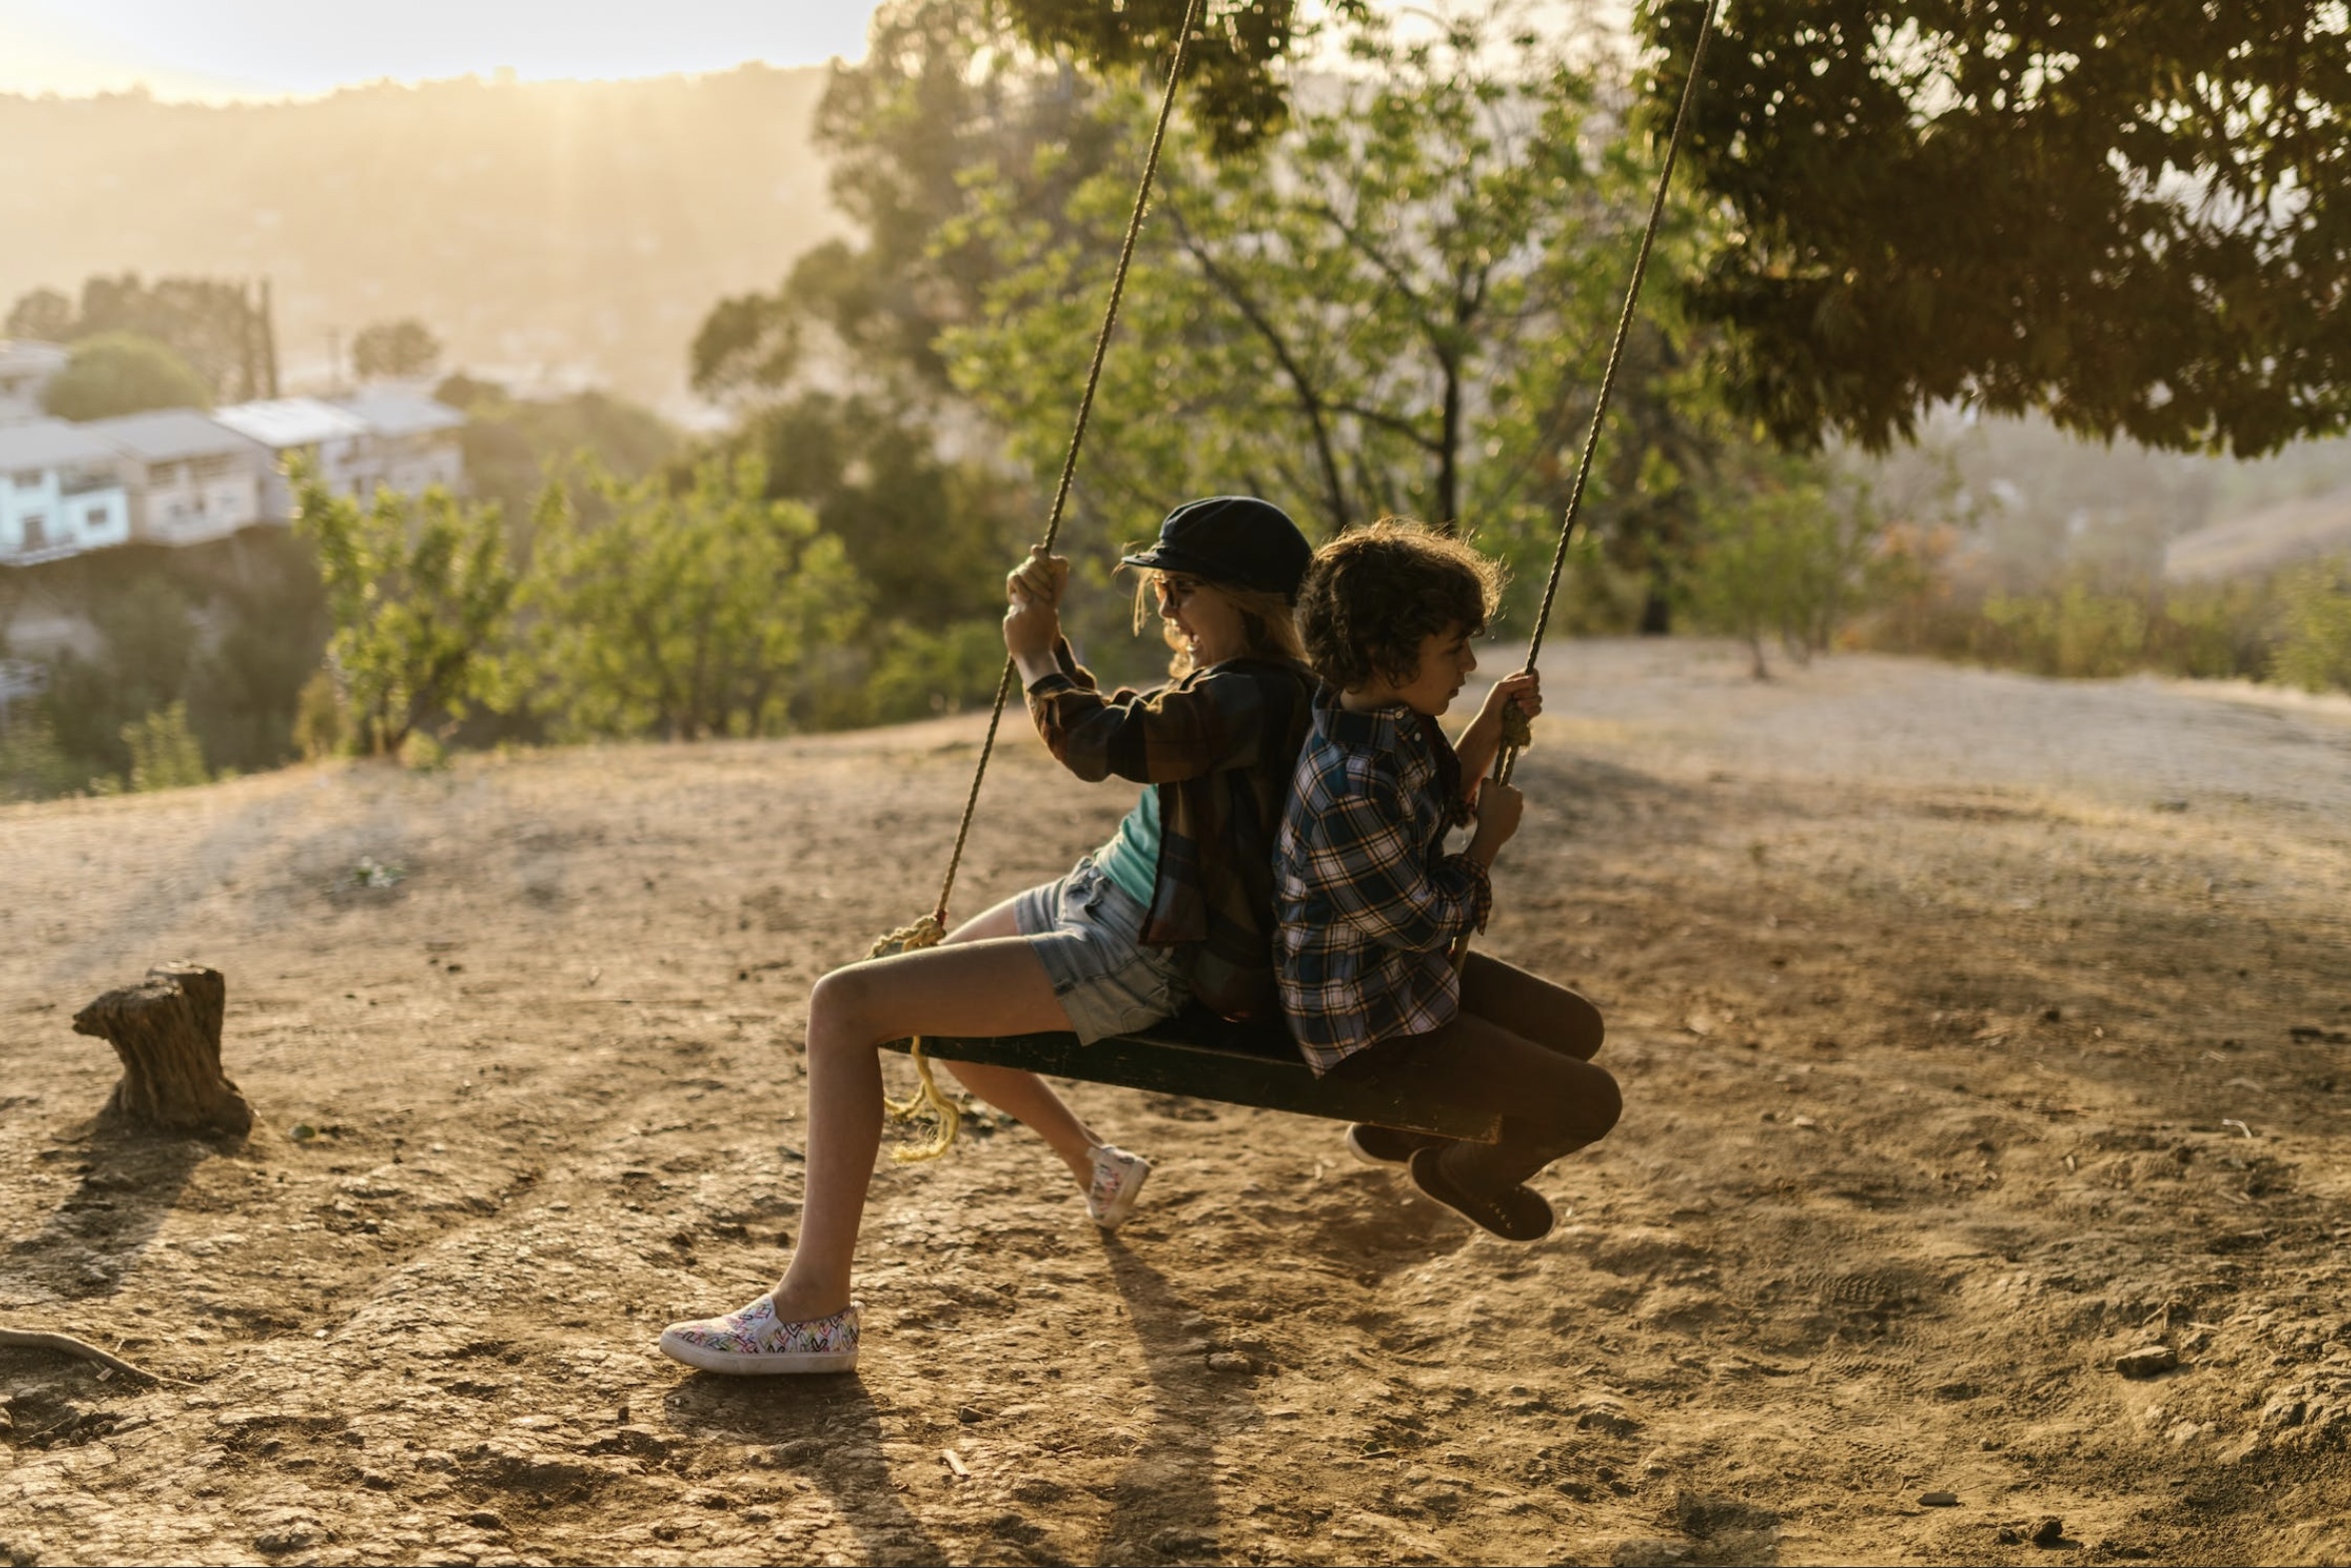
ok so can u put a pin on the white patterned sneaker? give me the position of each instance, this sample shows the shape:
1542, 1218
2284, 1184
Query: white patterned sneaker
1117, 1182
750, 1341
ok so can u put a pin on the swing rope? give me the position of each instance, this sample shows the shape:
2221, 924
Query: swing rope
932, 928
1517, 731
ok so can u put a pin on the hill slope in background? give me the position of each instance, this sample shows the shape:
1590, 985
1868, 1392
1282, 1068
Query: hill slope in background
560, 233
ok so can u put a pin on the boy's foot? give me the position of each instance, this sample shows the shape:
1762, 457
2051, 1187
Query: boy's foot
1383, 1145
1118, 1182
750, 1341
1516, 1214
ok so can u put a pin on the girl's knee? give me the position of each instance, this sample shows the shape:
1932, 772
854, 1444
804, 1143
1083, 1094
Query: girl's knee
838, 1007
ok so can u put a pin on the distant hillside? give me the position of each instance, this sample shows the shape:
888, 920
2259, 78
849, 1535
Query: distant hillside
557, 231
2264, 539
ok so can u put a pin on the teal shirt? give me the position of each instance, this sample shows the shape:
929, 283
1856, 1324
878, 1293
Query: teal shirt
1132, 858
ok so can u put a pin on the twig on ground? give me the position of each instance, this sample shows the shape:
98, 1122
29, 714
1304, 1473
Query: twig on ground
67, 1344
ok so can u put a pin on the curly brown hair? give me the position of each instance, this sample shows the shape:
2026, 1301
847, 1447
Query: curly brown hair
1373, 595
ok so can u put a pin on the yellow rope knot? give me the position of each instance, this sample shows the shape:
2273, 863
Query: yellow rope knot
946, 1117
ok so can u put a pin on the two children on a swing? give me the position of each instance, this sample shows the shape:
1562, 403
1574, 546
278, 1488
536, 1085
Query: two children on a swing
1287, 852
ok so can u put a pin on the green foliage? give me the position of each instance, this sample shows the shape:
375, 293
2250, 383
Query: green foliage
232, 627
921, 672
123, 373
2131, 218
2074, 631
420, 593
32, 764
2315, 653
164, 751
321, 724
2084, 629
395, 349
1785, 557
943, 87
1399, 303
215, 326
1229, 80
929, 537
515, 445
685, 612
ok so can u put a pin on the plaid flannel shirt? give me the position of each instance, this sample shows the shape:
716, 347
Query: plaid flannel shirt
1369, 901
1220, 744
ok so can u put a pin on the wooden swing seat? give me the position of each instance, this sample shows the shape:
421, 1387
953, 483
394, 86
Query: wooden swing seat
1200, 1055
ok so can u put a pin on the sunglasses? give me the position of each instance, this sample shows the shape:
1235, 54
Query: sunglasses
1175, 589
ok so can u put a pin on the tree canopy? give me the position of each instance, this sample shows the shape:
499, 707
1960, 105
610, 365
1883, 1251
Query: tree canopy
1398, 302
1233, 92
2134, 217
123, 373
218, 328
401, 348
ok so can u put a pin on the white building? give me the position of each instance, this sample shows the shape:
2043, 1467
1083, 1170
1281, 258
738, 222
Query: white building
26, 365
332, 440
180, 477
191, 476
60, 492
417, 445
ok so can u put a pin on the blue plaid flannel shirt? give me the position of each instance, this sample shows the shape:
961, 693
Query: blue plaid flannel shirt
1368, 900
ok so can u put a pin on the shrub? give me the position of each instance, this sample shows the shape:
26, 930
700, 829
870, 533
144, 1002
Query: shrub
32, 764
2315, 651
164, 752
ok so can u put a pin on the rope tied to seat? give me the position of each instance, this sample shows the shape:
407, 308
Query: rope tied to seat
1517, 730
931, 930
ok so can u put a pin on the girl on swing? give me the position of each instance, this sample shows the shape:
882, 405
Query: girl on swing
1177, 905
1372, 905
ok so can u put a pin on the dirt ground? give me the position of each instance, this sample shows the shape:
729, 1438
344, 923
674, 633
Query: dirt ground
1974, 1031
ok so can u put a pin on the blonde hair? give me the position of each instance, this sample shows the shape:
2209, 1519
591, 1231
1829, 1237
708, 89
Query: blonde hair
1269, 622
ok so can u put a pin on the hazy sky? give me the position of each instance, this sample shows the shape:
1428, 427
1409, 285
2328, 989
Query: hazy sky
219, 50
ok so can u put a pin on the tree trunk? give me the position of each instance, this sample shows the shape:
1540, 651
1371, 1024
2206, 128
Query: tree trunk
167, 1029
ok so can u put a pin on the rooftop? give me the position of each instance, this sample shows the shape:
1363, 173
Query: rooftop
30, 354
169, 435
396, 411
50, 443
279, 422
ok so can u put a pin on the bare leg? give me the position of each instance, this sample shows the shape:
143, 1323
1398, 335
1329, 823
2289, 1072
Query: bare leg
986, 987
1019, 1093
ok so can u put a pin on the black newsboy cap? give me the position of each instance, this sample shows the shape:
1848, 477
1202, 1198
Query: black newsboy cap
1237, 540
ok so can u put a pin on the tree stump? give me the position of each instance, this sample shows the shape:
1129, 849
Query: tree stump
167, 1029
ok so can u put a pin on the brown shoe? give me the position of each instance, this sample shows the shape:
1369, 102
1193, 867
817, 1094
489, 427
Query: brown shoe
1516, 1214
1385, 1146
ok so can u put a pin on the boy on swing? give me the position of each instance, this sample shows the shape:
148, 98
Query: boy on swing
1372, 905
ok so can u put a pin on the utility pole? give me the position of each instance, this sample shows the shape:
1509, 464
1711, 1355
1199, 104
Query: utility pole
269, 340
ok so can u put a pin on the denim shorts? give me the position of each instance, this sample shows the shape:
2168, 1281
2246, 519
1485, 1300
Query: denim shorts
1084, 928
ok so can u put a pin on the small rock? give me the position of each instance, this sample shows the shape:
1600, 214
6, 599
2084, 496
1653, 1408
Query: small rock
485, 1519
21, 1552
1229, 1361
2008, 1535
377, 1481
1179, 1542
1939, 1499
281, 1539
2049, 1532
2147, 1361
970, 1414
1609, 1419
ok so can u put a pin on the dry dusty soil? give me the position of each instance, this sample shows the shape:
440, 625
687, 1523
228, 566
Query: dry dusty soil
1975, 1032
